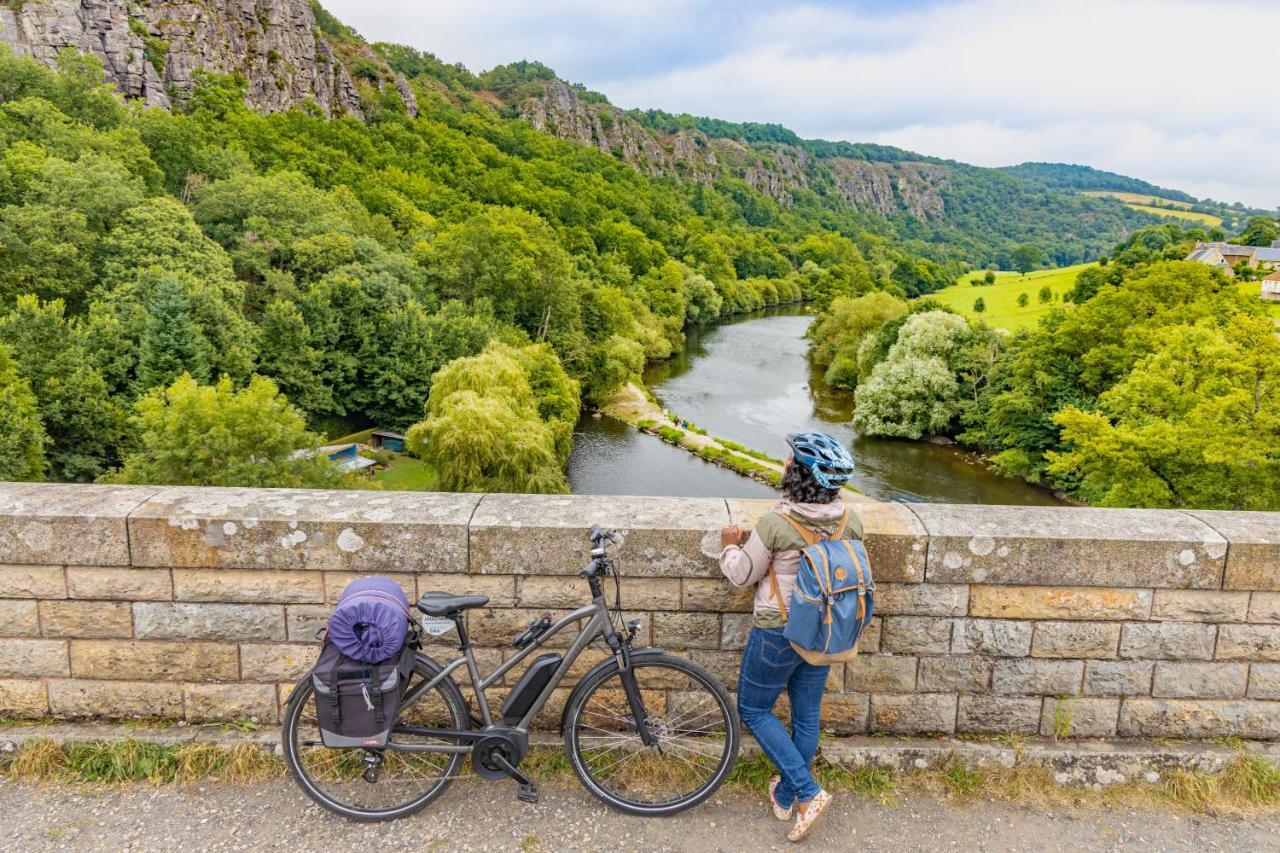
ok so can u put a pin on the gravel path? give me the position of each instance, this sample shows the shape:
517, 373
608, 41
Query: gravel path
475, 815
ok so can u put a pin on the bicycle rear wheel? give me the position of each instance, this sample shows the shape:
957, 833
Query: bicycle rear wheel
688, 711
404, 782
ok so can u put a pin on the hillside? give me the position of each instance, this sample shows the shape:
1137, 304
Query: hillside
1000, 300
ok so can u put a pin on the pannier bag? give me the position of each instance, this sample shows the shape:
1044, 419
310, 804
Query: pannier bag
364, 664
370, 620
833, 598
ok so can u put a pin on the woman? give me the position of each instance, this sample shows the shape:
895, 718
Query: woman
815, 471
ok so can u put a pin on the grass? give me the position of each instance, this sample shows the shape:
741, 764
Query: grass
1254, 290
407, 474
670, 435
733, 445
734, 462
1138, 198
1205, 218
1248, 785
1001, 298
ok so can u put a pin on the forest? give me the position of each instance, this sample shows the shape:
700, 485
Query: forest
1157, 385
192, 296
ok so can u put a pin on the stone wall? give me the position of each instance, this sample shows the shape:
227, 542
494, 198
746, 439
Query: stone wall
203, 603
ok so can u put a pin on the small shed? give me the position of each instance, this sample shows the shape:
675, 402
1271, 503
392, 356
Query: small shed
346, 457
381, 439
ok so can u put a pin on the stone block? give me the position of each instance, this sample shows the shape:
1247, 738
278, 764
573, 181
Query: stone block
923, 599
32, 582
1264, 681
67, 523
716, 596
1253, 557
686, 630
353, 531
869, 642
212, 702
119, 584
998, 714
1070, 546
1076, 640
18, 618
274, 662
37, 658
153, 661
498, 627
86, 620
1037, 677
844, 713
547, 534
247, 585
880, 674
992, 637
1079, 717
913, 713
1118, 678
23, 698
954, 673
736, 627
1200, 718
1264, 607
1197, 605
1167, 641
1200, 680
1249, 642
76, 698
303, 622
336, 582
723, 664
915, 635
183, 621
1059, 602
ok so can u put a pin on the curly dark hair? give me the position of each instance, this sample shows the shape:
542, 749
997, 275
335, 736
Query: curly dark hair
799, 485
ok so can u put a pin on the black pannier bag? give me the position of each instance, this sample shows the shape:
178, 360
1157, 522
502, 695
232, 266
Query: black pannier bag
357, 702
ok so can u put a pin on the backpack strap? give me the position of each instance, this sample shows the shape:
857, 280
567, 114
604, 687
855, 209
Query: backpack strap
777, 596
810, 537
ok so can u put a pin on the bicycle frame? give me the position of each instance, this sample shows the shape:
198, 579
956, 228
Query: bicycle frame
599, 624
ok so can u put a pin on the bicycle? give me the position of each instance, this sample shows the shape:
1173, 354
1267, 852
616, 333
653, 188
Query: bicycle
649, 733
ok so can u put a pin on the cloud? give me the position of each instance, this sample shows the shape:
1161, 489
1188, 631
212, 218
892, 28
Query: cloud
1173, 91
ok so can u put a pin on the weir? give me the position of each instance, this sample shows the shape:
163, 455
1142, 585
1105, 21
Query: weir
203, 603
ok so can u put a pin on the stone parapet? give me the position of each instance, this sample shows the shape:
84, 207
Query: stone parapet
203, 603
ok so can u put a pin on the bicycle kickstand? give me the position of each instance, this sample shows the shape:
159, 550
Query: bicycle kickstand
528, 792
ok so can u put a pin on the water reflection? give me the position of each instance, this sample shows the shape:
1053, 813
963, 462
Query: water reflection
750, 380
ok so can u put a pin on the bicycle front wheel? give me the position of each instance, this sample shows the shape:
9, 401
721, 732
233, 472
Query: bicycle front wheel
688, 711
377, 784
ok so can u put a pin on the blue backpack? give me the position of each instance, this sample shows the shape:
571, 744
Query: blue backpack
834, 595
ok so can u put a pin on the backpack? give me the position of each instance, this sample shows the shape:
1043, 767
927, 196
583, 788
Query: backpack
834, 595
357, 702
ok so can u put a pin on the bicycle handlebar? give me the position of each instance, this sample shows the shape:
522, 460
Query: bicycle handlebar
599, 534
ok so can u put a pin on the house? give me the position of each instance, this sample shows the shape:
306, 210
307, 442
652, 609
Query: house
1225, 256
381, 439
1271, 288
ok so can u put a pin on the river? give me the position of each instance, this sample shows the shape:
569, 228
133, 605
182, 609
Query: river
750, 380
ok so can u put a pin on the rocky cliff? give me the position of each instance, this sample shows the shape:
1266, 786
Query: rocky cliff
152, 50
778, 170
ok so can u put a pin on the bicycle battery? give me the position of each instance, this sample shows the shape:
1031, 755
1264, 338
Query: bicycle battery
527, 689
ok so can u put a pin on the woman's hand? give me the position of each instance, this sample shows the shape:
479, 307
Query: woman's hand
731, 535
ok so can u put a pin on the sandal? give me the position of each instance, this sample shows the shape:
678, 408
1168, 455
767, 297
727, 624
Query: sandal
806, 818
778, 811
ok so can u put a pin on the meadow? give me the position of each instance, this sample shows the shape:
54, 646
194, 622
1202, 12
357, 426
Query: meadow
1002, 309
1158, 206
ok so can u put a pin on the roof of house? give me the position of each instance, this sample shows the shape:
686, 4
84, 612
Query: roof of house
1204, 256
386, 433
1270, 255
1275, 276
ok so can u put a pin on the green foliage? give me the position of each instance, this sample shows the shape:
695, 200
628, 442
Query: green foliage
979, 305
1045, 295
837, 333
1026, 258
214, 435
1023, 300
22, 436
1259, 231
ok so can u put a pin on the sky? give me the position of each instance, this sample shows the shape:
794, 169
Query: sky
1182, 93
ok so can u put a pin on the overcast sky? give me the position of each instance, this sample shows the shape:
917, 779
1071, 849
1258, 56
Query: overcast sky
1183, 93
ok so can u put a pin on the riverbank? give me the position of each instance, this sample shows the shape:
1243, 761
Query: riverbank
634, 406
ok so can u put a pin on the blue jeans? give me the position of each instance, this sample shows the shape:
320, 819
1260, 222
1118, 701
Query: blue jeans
769, 665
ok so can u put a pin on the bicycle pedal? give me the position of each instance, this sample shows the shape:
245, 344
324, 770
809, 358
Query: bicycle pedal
527, 794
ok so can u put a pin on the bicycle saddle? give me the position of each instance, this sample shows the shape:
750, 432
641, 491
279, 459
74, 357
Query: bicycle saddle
444, 603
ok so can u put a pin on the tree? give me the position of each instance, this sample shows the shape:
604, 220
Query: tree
837, 333
484, 430
1259, 231
171, 341
979, 305
1027, 257
22, 436
288, 357
989, 277
214, 435
1046, 295
906, 397
1023, 300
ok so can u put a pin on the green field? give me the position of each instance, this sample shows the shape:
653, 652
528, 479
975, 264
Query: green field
1002, 297
406, 474
1206, 218
1138, 198
1254, 290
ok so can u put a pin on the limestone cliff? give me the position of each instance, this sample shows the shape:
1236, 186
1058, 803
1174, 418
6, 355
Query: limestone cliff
151, 50
888, 188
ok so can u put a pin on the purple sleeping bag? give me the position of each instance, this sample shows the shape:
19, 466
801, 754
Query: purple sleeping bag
371, 619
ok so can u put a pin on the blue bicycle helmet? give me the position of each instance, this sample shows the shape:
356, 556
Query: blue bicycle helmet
824, 456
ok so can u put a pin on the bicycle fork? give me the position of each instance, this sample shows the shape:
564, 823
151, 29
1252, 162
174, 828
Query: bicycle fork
631, 688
